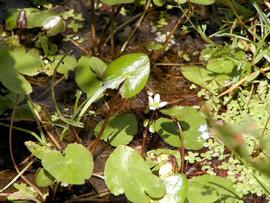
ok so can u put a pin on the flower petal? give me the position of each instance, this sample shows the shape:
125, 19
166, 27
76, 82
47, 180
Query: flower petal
157, 98
162, 104
151, 100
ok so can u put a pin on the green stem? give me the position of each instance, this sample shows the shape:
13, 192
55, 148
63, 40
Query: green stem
25, 131
88, 103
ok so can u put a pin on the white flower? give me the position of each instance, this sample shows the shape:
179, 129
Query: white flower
155, 103
203, 129
205, 135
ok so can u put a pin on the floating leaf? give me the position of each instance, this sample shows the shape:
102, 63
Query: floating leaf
176, 189
132, 70
210, 188
120, 129
85, 78
127, 172
67, 167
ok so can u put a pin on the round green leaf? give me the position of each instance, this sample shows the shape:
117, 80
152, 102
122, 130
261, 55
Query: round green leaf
210, 188
85, 78
27, 63
68, 64
190, 120
132, 70
127, 172
167, 129
176, 189
73, 167
120, 129
43, 178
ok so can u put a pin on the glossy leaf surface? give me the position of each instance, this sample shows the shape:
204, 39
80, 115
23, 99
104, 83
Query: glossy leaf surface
132, 70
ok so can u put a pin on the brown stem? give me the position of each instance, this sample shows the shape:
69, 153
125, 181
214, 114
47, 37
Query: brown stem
136, 26
145, 132
112, 31
11, 148
92, 146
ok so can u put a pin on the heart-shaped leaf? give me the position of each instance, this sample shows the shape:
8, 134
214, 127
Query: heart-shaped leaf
74, 166
120, 129
127, 172
85, 78
132, 70
176, 189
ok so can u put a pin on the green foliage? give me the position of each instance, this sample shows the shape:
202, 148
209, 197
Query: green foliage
35, 18
24, 193
131, 71
66, 167
88, 71
190, 121
127, 172
167, 129
9, 71
43, 178
120, 129
208, 189
116, 2
176, 189
156, 158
